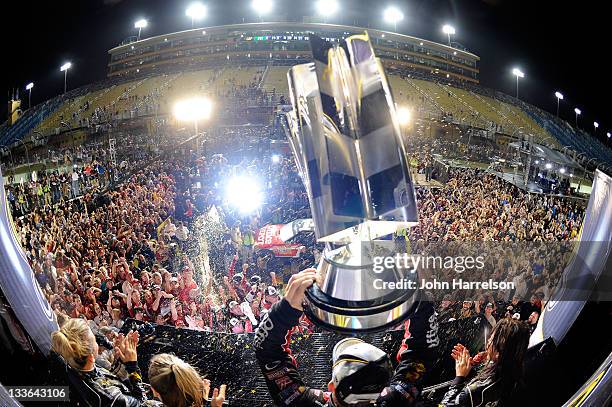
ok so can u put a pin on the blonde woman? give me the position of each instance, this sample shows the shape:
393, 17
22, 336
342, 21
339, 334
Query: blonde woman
178, 384
77, 345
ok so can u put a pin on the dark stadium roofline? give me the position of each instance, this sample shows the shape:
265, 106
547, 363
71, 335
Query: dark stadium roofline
293, 25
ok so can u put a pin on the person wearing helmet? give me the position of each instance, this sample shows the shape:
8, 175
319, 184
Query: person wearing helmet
361, 374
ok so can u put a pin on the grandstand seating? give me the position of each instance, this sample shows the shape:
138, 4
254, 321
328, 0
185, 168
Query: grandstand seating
476, 106
275, 78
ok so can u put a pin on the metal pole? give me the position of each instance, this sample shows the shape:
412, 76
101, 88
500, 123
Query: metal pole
449, 41
517, 86
139, 28
30, 99
557, 107
65, 79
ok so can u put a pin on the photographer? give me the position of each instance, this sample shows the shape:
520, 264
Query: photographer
75, 342
361, 373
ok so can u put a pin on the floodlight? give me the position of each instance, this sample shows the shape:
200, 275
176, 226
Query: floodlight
577, 111
196, 11
596, 124
275, 158
262, 6
562, 170
142, 23
548, 166
244, 194
403, 116
448, 29
559, 95
608, 134
393, 15
327, 7
66, 66
518, 73
193, 109
29, 85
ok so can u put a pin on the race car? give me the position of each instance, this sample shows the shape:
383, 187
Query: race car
284, 240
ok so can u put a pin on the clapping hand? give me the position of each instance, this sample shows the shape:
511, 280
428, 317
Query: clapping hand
218, 396
463, 364
125, 346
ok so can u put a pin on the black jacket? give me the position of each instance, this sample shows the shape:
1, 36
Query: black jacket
286, 386
485, 392
101, 388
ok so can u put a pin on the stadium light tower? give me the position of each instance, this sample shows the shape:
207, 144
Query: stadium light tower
29, 87
595, 126
64, 68
326, 8
559, 97
393, 15
193, 110
578, 113
140, 24
196, 11
262, 7
448, 30
519, 74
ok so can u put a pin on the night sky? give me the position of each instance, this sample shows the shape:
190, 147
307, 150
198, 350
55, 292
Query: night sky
559, 45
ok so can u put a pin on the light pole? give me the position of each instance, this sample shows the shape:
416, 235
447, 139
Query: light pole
595, 126
578, 113
519, 74
64, 68
193, 110
140, 24
29, 87
262, 7
327, 8
448, 30
393, 15
196, 11
559, 97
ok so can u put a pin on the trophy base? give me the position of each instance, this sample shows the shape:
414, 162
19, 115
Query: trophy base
349, 297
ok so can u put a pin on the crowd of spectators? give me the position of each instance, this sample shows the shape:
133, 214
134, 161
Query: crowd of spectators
136, 251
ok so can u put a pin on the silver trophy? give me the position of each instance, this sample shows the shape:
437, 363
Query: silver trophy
346, 139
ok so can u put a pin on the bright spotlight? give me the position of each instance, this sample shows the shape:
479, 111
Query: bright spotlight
608, 134
66, 66
193, 109
548, 166
262, 6
448, 29
559, 95
141, 23
276, 158
537, 162
596, 124
403, 116
562, 170
244, 194
327, 7
577, 111
29, 85
393, 15
518, 73
196, 11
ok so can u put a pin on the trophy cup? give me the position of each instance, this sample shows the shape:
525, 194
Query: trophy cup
345, 136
